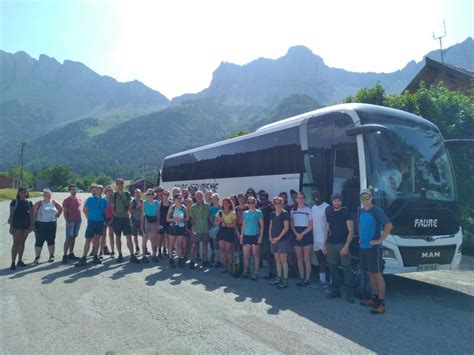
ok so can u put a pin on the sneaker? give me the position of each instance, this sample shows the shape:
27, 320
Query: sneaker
12, 267
134, 259
283, 283
276, 281
269, 276
171, 263
51, 259
155, 258
20, 263
37, 260
379, 309
64, 259
106, 251
71, 256
100, 255
81, 262
254, 276
245, 275
192, 265
301, 283
120, 258
145, 259
334, 294
137, 252
96, 260
368, 302
112, 254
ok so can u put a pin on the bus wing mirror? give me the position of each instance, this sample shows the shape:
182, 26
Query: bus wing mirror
366, 129
452, 143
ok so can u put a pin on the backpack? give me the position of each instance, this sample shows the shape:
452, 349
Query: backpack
10, 217
127, 202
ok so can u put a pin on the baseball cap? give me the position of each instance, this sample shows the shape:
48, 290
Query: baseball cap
149, 192
47, 191
365, 191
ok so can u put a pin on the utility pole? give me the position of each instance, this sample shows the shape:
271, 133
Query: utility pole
22, 150
440, 39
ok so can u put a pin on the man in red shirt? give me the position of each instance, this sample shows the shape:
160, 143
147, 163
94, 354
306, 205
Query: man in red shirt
72, 215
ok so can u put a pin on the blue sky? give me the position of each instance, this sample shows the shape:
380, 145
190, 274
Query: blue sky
174, 46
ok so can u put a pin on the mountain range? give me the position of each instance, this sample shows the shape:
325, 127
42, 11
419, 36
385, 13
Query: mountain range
69, 114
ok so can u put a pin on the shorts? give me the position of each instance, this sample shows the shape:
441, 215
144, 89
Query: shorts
45, 232
200, 237
136, 227
24, 224
334, 256
163, 229
176, 230
226, 234
307, 238
371, 260
121, 225
250, 240
94, 228
72, 229
151, 227
282, 247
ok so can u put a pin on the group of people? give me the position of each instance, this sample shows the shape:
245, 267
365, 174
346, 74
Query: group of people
187, 226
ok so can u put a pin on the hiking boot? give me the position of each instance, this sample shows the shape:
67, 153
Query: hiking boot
106, 251
245, 275
120, 258
283, 283
254, 276
100, 255
112, 254
37, 260
334, 294
276, 281
378, 309
302, 283
20, 263
71, 256
134, 259
96, 260
368, 302
145, 259
81, 262
12, 266
51, 259
64, 259
269, 276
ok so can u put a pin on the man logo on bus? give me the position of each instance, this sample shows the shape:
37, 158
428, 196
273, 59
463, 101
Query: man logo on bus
431, 254
426, 223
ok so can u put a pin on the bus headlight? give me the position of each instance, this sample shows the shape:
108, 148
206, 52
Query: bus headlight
388, 254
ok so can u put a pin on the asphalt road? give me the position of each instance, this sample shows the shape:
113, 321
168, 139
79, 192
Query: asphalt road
149, 308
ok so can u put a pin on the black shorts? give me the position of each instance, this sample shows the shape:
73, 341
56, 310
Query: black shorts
163, 229
121, 225
21, 224
226, 234
307, 238
45, 232
371, 260
94, 228
250, 240
176, 230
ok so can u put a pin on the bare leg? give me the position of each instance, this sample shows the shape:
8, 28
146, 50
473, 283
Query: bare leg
278, 264
118, 241
246, 251
130, 244
21, 246
229, 248
256, 257
284, 264
299, 258
307, 260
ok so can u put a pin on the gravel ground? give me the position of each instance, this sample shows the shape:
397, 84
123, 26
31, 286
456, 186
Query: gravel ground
149, 308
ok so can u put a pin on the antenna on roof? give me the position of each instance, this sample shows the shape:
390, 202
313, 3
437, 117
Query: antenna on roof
440, 38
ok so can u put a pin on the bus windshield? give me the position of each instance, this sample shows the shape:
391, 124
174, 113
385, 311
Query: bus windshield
408, 163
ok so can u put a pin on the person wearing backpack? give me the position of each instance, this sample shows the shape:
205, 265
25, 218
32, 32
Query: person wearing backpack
46, 213
21, 223
120, 200
374, 227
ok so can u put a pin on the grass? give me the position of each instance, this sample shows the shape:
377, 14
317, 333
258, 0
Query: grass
10, 194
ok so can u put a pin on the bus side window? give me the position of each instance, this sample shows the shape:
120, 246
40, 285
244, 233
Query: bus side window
346, 176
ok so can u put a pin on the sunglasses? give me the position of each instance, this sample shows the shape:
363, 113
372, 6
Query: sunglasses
365, 198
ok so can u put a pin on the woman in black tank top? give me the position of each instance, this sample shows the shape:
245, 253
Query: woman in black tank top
163, 232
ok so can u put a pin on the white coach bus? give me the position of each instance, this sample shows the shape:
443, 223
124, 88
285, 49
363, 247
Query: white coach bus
399, 156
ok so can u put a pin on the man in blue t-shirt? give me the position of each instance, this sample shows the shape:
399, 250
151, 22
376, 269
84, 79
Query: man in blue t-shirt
94, 210
374, 227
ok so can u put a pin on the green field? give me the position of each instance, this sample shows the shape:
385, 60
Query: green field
10, 194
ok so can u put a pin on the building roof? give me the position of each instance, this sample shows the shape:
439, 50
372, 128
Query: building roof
434, 71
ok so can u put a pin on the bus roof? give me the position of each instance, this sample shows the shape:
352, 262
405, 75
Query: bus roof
299, 119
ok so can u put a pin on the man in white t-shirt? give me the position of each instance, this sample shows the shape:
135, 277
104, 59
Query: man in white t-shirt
320, 233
